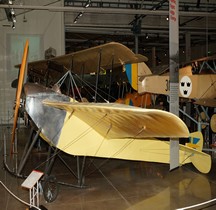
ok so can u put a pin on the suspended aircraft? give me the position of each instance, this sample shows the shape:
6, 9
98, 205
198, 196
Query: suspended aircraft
106, 130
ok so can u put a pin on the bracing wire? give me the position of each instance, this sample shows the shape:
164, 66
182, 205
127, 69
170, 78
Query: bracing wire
74, 140
109, 181
117, 152
92, 88
85, 133
210, 85
88, 84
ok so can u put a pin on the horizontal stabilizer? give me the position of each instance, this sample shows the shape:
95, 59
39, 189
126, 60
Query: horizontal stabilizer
199, 159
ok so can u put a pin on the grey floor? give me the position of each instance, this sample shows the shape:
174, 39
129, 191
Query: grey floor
109, 184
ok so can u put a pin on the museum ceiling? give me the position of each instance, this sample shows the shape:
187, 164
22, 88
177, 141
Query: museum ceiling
89, 23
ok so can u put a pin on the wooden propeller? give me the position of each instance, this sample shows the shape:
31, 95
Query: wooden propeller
18, 93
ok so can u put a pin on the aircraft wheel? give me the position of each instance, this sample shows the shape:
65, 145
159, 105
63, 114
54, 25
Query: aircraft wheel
50, 189
202, 118
213, 123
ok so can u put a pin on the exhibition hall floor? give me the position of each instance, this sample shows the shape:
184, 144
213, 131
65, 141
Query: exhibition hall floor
108, 184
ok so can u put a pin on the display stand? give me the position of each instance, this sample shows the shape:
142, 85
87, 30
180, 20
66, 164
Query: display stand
32, 184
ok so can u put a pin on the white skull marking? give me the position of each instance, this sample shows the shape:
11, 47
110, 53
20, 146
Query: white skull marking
185, 86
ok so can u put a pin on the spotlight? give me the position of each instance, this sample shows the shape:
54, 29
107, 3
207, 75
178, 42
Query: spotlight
12, 12
80, 14
87, 3
14, 19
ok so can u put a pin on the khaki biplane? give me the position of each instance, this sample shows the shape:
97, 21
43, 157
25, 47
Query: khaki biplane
197, 84
195, 81
106, 130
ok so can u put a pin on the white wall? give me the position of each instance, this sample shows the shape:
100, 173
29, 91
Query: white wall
44, 29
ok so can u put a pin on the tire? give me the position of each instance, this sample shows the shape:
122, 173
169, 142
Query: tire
50, 189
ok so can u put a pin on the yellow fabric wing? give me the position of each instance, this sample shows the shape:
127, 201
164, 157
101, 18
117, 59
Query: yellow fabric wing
113, 120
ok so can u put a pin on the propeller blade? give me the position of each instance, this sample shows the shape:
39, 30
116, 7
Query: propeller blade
18, 94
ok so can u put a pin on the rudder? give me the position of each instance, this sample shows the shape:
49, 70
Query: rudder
135, 71
200, 160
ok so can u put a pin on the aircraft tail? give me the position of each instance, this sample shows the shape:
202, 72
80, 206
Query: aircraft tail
196, 141
199, 159
136, 71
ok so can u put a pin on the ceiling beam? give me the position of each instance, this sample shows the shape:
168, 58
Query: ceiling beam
118, 29
108, 10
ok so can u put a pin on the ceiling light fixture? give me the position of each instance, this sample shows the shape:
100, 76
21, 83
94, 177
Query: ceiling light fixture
13, 26
87, 4
12, 11
80, 14
75, 20
13, 19
24, 19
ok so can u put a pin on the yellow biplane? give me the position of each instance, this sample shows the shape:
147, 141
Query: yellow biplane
106, 130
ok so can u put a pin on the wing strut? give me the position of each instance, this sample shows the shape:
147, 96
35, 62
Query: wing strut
18, 94
97, 76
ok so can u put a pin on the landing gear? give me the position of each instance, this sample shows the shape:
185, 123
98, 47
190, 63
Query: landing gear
50, 189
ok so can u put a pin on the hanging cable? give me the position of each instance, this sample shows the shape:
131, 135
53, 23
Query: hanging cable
207, 49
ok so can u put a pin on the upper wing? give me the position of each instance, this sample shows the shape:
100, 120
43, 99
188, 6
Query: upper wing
113, 120
109, 55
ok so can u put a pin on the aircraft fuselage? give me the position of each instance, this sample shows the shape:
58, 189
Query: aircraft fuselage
190, 86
